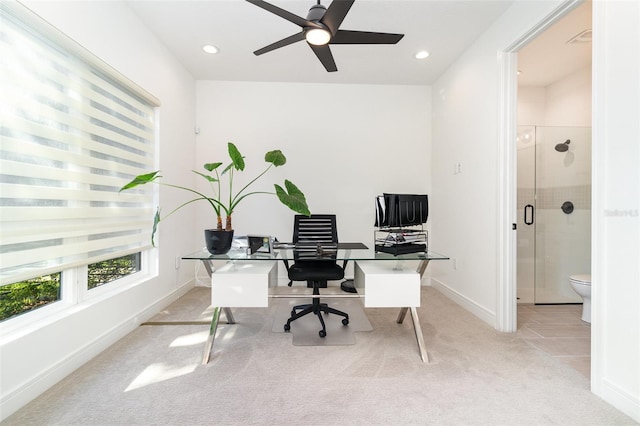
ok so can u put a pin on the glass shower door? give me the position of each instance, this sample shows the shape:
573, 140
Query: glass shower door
563, 211
526, 236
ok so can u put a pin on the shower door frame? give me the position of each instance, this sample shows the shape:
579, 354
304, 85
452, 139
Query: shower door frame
559, 245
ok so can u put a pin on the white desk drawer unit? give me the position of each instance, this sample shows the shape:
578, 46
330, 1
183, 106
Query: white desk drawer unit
243, 284
384, 285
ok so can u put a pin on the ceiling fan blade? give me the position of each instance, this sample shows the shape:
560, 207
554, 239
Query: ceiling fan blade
281, 43
335, 14
299, 21
324, 54
365, 37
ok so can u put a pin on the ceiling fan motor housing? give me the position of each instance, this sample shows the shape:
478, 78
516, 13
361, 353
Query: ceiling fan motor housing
316, 13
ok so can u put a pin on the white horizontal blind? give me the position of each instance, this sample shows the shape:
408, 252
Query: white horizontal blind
71, 135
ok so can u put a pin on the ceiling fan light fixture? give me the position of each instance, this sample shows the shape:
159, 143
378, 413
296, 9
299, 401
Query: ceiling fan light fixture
318, 36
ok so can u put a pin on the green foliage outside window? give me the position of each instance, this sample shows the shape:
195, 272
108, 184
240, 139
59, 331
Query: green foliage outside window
24, 296
113, 269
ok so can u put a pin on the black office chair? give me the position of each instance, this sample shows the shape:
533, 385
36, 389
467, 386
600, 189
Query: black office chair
315, 236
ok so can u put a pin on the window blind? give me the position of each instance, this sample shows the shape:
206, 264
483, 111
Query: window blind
72, 132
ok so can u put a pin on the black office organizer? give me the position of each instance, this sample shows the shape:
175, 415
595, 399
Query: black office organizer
399, 222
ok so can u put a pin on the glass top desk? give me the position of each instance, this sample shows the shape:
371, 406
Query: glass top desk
378, 269
344, 251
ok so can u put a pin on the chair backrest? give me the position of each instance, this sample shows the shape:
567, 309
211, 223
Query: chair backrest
316, 246
315, 229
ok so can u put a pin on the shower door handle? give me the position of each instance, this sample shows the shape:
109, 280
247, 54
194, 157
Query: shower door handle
528, 218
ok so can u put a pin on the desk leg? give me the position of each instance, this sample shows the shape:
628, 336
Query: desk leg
214, 320
229, 315
417, 329
422, 266
419, 335
212, 331
212, 335
208, 266
401, 315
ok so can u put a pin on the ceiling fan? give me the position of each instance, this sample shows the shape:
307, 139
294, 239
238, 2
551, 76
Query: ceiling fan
321, 28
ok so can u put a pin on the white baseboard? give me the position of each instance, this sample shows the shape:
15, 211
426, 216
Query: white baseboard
620, 399
468, 304
35, 386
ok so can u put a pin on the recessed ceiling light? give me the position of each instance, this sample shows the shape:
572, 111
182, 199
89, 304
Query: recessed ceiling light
209, 48
422, 54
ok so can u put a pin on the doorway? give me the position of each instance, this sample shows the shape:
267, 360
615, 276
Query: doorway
552, 109
553, 148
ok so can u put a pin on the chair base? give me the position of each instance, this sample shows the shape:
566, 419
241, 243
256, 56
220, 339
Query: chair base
316, 308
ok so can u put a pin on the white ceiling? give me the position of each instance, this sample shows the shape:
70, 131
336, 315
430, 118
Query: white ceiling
549, 57
443, 27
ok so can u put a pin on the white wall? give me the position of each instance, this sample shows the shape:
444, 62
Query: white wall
34, 359
566, 102
615, 362
531, 105
465, 131
344, 145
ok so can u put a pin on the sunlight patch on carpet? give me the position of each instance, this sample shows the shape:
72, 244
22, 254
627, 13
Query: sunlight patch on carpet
159, 372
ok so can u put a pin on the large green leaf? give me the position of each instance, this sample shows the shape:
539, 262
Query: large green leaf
156, 220
275, 157
236, 157
207, 177
211, 166
292, 197
141, 180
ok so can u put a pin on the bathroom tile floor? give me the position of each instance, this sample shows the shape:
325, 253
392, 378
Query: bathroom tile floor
558, 331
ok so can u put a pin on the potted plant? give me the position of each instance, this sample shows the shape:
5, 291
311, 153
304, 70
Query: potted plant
219, 239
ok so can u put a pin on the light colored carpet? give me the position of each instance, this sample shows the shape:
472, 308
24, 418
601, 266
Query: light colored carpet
477, 376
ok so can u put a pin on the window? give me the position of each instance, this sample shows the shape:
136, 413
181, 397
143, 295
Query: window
106, 271
18, 298
72, 132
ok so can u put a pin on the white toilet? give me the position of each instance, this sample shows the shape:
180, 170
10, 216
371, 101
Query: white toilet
582, 285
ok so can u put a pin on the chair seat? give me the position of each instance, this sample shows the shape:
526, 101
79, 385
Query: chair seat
315, 271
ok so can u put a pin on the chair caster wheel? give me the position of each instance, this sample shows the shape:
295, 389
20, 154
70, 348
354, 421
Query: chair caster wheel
345, 321
322, 333
287, 327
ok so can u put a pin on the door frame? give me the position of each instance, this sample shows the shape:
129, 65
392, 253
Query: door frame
506, 305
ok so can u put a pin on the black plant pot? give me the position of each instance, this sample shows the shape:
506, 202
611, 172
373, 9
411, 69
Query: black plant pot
218, 242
